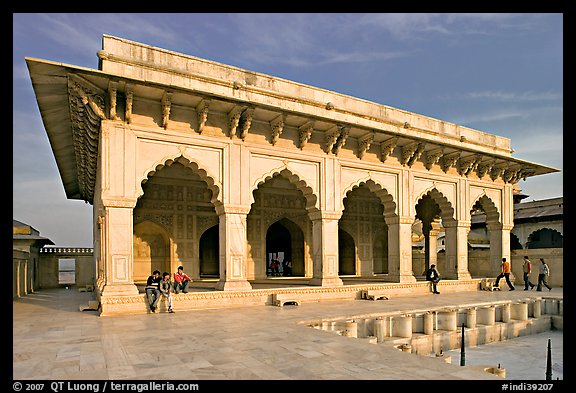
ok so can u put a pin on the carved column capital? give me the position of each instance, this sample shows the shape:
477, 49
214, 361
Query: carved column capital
483, 168
341, 140
496, 171
166, 106
330, 137
129, 92
364, 143
202, 112
234, 119
407, 151
277, 126
304, 133
325, 215
387, 147
448, 160
432, 157
245, 122
112, 94
467, 164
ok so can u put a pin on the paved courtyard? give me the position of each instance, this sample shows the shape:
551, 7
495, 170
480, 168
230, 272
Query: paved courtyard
53, 340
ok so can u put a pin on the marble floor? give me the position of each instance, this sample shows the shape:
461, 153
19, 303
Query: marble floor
53, 340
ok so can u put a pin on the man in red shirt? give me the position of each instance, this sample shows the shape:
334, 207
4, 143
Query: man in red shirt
505, 273
181, 281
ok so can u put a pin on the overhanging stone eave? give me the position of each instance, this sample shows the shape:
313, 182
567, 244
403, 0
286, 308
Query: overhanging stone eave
49, 83
382, 130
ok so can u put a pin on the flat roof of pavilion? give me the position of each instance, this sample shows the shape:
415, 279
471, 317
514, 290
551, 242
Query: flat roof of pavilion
154, 70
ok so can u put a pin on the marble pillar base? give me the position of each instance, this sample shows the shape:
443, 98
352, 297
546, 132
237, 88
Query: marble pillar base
326, 281
239, 285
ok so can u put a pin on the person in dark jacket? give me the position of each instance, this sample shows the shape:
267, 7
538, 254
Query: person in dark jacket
152, 290
433, 276
165, 287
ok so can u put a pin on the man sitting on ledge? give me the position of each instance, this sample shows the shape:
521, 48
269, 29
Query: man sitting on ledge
181, 281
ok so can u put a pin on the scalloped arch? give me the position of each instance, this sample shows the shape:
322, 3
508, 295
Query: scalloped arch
492, 213
213, 186
544, 229
386, 199
294, 179
446, 209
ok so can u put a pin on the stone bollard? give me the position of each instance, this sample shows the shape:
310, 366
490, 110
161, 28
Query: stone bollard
429, 323
486, 315
402, 326
352, 327
447, 320
505, 309
537, 308
471, 318
519, 311
362, 328
501, 372
381, 328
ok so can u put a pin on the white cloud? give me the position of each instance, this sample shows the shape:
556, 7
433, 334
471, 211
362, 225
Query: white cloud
515, 96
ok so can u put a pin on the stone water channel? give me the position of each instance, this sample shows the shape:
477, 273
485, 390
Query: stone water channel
437, 331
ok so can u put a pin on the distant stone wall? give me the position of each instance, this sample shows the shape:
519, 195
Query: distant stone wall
85, 266
554, 257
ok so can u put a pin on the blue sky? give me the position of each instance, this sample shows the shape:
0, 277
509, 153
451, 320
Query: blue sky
497, 73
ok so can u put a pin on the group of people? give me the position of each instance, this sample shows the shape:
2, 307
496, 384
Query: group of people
275, 267
157, 286
433, 276
543, 273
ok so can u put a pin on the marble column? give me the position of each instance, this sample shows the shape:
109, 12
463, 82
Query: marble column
325, 248
118, 259
456, 264
400, 249
232, 242
499, 246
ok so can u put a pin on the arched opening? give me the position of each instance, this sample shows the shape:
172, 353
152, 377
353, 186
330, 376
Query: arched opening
515, 242
278, 225
179, 200
365, 232
209, 253
151, 249
278, 248
545, 238
428, 212
346, 254
380, 252
437, 215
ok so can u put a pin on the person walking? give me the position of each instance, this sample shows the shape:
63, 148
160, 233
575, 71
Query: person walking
433, 276
165, 287
527, 269
505, 274
543, 276
152, 290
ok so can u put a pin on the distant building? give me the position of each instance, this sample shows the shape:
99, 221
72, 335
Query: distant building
26, 246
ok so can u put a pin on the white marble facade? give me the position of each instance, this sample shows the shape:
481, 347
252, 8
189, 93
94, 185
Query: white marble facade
168, 147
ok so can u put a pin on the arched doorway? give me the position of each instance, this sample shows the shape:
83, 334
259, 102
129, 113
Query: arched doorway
346, 254
209, 252
278, 225
151, 246
278, 246
363, 232
176, 198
